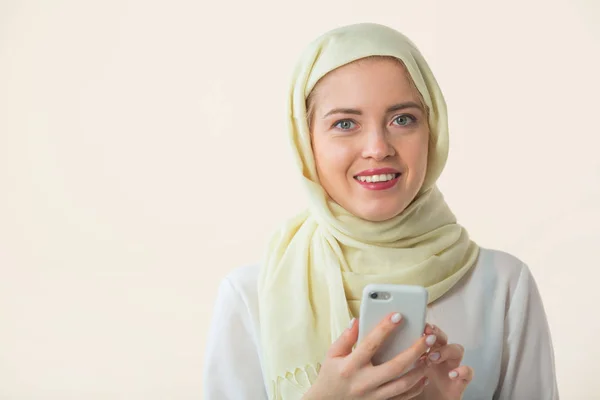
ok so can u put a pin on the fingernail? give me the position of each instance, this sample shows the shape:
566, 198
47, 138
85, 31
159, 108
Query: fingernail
453, 374
351, 323
430, 340
426, 382
396, 318
434, 356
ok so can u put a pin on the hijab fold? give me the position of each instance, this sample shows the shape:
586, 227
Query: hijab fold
317, 264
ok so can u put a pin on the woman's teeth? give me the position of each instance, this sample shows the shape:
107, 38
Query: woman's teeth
376, 178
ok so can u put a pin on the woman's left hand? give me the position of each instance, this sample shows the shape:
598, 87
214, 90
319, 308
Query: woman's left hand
448, 379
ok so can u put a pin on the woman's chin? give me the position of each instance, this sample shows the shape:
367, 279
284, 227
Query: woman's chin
377, 214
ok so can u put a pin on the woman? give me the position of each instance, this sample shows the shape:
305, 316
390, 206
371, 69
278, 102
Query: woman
369, 128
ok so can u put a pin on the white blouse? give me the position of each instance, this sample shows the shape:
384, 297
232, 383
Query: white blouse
495, 313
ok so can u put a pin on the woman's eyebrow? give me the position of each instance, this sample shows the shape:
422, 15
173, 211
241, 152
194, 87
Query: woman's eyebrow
354, 111
402, 106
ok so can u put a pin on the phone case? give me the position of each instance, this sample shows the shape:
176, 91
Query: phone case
408, 300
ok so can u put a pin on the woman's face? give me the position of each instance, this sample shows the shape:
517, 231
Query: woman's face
370, 137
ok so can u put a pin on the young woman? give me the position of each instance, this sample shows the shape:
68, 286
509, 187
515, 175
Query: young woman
369, 128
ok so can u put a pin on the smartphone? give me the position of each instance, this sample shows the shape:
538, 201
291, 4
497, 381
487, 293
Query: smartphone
378, 301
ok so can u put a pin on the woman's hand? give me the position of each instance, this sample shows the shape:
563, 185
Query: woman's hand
350, 375
448, 378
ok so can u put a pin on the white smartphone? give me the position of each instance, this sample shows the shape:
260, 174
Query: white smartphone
378, 301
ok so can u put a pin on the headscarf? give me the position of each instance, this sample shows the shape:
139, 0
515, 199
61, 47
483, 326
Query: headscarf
317, 264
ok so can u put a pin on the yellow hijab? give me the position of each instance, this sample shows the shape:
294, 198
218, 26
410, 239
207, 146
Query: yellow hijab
317, 264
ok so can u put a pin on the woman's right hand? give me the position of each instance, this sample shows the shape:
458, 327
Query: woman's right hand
347, 374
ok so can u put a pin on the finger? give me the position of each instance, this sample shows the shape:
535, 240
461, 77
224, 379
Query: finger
399, 393
403, 384
454, 352
372, 342
343, 345
462, 375
440, 334
403, 361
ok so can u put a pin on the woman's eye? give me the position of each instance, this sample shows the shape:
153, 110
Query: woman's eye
404, 120
345, 124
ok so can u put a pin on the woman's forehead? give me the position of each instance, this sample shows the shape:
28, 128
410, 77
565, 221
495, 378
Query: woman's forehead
375, 79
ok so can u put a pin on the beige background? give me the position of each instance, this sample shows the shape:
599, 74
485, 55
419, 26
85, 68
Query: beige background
142, 157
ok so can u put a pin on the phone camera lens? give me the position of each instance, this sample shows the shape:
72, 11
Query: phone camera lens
373, 295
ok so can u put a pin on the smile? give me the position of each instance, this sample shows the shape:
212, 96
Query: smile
378, 179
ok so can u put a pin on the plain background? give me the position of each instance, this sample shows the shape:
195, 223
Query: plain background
143, 157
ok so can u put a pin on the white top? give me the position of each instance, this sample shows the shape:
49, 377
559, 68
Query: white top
495, 313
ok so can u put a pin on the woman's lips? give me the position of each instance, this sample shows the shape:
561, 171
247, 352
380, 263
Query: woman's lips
380, 185
378, 178
378, 171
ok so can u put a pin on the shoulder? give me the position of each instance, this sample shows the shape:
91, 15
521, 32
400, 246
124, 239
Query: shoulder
236, 305
501, 264
240, 284
493, 279
500, 261
501, 269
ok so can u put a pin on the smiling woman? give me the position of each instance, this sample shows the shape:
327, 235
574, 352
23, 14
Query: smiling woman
368, 127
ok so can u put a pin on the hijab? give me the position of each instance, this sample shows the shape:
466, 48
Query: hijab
318, 262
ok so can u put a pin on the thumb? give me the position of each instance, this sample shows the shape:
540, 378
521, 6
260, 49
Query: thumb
343, 345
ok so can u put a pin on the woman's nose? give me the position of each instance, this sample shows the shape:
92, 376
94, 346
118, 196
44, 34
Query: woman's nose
377, 145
